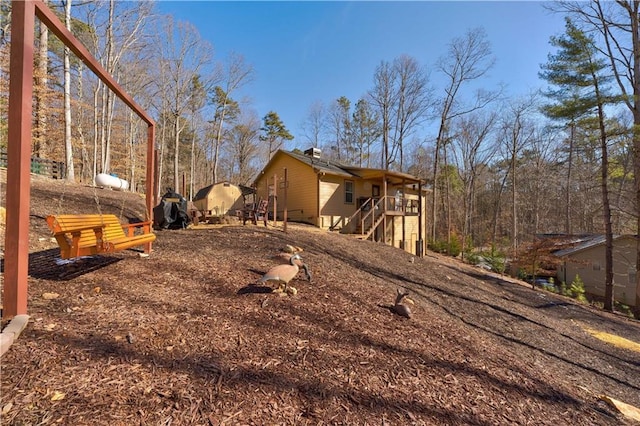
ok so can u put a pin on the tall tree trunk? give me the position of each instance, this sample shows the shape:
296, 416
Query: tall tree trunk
635, 31
96, 129
80, 124
133, 137
176, 158
606, 213
567, 213
514, 202
218, 140
434, 195
192, 165
68, 143
447, 195
497, 209
108, 96
42, 83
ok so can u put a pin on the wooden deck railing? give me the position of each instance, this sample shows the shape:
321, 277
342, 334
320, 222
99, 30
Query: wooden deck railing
364, 221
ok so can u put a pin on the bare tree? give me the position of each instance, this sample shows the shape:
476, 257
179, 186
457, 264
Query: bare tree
366, 130
414, 100
236, 73
185, 56
517, 131
116, 29
473, 150
339, 125
244, 147
383, 97
313, 127
468, 58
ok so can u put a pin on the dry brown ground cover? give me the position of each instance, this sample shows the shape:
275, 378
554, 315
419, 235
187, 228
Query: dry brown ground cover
185, 338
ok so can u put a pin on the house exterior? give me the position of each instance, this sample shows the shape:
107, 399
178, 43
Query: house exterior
373, 204
219, 199
588, 261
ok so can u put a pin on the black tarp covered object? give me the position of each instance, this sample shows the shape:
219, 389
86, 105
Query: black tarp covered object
171, 213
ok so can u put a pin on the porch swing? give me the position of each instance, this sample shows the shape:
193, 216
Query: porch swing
90, 234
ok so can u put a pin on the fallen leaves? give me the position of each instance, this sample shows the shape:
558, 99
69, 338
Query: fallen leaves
478, 353
50, 296
57, 396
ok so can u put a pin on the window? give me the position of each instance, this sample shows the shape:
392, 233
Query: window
348, 192
596, 266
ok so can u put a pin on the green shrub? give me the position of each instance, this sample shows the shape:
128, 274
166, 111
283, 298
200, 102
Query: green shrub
577, 289
497, 260
472, 257
624, 309
455, 247
498, 264
438, 246
452, 249
563, 289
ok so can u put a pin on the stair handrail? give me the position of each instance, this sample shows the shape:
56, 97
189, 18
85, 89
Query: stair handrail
350, 220
371, 211
374, 225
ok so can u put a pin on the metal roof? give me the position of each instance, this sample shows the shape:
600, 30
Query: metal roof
587, 244
322, 165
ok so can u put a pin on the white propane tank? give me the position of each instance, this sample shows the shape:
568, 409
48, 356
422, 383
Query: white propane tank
107, 181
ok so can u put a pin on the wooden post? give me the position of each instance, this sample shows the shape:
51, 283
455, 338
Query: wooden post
403, 208
384, 209
275, 199
420, 246
19, 159
284, 218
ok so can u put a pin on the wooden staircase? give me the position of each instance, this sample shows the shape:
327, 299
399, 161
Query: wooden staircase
366, 219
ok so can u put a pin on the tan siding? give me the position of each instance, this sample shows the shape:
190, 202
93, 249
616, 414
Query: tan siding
332, 201
221, 200
224, 200
302, 190
583, 262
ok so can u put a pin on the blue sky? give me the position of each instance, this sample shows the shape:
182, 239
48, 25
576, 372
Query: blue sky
304, 52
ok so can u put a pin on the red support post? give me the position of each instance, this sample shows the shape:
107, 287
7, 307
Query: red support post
150, 179
19, 159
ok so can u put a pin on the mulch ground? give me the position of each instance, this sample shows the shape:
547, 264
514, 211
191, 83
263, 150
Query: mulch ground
187, 337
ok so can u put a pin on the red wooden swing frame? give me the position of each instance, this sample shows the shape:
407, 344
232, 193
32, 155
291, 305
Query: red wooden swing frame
16, 262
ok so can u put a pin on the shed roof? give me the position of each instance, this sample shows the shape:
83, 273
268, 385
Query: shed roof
203, 192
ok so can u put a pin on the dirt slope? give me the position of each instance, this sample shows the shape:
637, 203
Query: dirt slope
184, 337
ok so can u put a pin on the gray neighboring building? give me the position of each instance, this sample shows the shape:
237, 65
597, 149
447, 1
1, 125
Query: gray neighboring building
588, 261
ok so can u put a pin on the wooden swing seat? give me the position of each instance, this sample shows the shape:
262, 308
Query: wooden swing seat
89, 234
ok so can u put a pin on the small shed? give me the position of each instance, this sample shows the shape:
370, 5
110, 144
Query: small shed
219, 199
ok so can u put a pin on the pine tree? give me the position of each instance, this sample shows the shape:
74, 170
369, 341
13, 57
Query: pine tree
274, 133
578, 75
